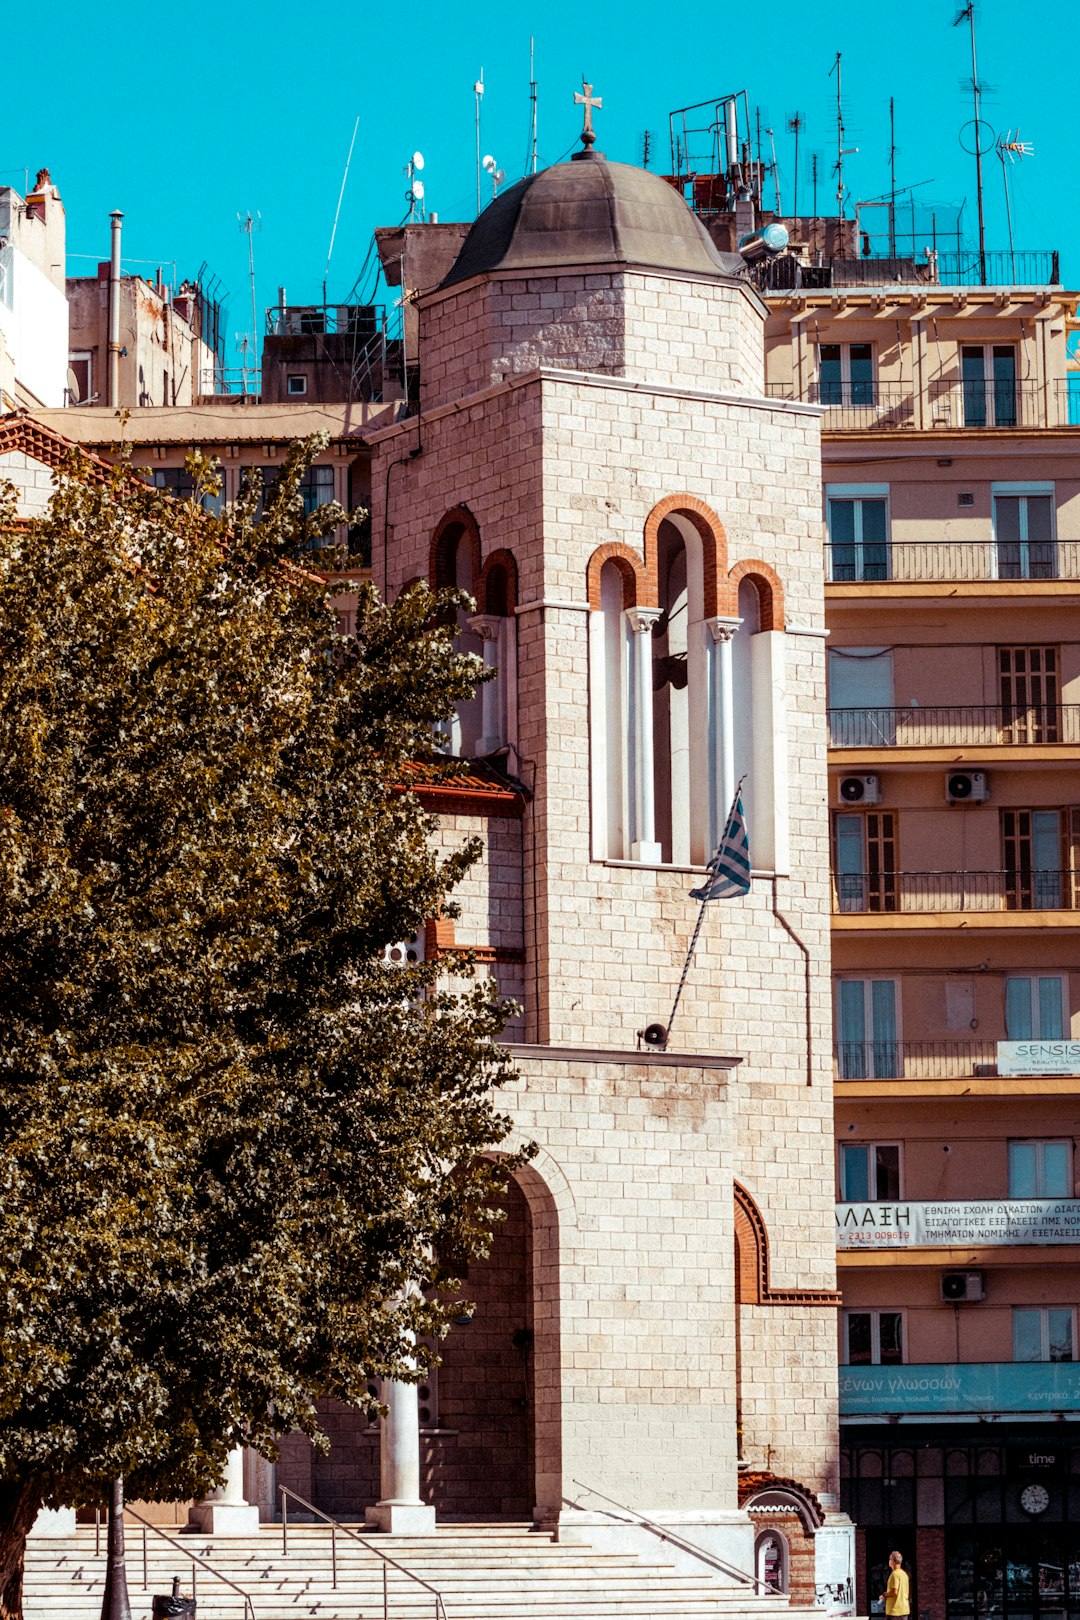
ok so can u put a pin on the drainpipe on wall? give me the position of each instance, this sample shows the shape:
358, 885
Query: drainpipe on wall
114, 311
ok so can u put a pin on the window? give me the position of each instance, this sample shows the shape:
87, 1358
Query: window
1032, 854
873, 1338
1043, 1333
1028, 690
1040, 1169
296, 384
316, 487
80, 383
176, 480
846, 374
857, 521
861, 713
867, 1018
1034, 1008
988, 383
869, 1172
865, 861
1024, 543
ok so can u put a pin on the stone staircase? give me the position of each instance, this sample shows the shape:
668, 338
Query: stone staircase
481, 1572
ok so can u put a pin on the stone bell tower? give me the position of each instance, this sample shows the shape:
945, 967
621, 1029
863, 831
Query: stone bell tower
595, 461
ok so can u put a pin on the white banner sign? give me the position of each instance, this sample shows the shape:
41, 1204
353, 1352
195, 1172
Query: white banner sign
834, 1568
1015, 1058
918, 1226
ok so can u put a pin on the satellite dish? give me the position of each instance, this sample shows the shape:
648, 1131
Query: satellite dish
489, 164
418, 161
73, 387
418, 190
499, 176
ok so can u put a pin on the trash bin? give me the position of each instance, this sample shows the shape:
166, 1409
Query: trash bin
174, 1606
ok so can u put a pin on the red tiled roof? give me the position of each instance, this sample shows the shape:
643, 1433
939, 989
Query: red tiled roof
758, 1482
468, 789
19, 431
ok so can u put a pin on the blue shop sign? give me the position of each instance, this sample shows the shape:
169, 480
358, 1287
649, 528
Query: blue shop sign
989, 1386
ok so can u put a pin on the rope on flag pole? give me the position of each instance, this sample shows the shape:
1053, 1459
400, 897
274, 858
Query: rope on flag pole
728, 874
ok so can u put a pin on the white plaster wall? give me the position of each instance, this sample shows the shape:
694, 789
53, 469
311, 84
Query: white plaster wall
34, 322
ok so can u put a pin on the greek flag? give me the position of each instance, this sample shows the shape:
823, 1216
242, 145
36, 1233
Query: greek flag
729, 869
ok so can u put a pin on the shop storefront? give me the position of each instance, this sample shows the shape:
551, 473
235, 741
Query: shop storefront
988, 1522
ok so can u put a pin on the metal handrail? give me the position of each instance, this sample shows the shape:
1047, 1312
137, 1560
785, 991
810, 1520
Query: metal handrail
285, 1491
679, 1541
249, 1607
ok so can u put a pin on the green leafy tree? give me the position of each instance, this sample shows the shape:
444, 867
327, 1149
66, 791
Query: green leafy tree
231, 1135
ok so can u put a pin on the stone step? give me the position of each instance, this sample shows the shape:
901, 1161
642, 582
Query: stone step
482, 1572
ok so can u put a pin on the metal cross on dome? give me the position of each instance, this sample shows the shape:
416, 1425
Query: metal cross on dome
585, 98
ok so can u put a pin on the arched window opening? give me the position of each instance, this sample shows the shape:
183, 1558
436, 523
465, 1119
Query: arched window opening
496, 625
759, 718
680, 768
771, 1561
744, 718
610, 662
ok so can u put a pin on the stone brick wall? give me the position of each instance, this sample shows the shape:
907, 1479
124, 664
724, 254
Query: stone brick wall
33, 482
667, 330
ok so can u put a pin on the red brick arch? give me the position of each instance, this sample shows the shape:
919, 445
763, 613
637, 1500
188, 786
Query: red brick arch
713, 545
636, 592
752, 1285
501, 561
449, 530
769, 587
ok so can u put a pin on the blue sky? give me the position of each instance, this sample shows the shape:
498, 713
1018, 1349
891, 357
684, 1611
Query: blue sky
186, 117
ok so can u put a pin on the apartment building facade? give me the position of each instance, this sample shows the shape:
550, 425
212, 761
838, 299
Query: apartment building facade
951, 504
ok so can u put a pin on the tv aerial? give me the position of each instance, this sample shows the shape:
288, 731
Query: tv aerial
498, 175
415, 194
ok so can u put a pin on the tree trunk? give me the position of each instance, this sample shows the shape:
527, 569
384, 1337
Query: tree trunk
19, 1504
114, 1603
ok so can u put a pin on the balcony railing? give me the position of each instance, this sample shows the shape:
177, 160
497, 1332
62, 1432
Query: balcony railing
925, 561
976, 725
930, 893
949, 404
945, 268
914, 1060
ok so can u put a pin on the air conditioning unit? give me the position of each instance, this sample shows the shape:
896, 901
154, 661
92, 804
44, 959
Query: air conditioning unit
962, 1287
860, 790
967, 787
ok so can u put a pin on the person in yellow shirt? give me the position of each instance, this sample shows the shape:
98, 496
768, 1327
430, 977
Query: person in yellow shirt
897, 1595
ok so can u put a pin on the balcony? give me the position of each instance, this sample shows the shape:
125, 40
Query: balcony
949, 405
931, 893
915, 1060
944, 268
960, 1387
971, 725
952, 561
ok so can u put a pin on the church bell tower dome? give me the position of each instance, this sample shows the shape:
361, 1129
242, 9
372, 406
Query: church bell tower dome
591, 212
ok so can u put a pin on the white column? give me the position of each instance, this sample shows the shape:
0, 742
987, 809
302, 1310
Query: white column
226, 1511
768, 666
640, 621
260, 1484
487, 627
399, 1509
721, 724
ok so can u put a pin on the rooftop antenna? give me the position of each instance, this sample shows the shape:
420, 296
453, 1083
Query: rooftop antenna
646, 148
532, 106
967, 14
892, 181
415, 194
1011, 149
813, 171
775, 171
842, 151
478, 92
794, 125
249, 224
337, 211
497, 175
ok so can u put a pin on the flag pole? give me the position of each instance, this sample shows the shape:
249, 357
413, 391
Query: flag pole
700, 920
